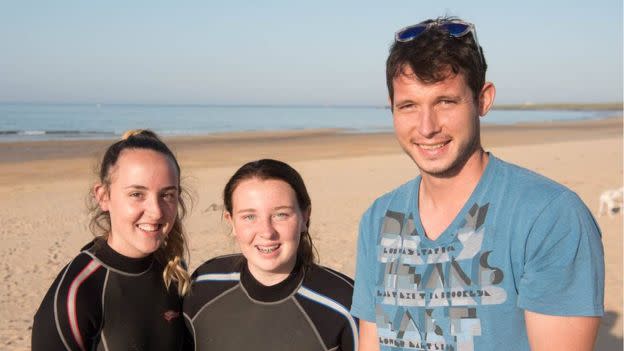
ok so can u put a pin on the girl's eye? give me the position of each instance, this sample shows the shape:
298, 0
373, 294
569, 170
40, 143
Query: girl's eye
169, 196
282, 215
136, 194
249, 217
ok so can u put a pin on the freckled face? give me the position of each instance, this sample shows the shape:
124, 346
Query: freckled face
267, 223
142, 201
437, 124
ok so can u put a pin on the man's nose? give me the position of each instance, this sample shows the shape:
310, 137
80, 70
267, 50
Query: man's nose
428, 123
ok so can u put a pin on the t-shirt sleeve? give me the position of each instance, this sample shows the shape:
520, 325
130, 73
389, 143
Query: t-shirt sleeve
363, 303
564, 261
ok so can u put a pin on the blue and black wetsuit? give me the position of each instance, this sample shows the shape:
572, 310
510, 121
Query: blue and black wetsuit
228, 309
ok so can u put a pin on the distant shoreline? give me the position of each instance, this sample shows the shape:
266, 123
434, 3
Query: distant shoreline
601, 106
616, 106
333, 141
87, 125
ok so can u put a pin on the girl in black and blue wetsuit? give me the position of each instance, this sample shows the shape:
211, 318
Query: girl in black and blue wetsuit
272, 296
123, 291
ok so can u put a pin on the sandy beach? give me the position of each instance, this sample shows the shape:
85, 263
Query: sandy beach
44, 185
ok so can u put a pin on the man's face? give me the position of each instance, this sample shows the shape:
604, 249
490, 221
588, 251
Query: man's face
436, 124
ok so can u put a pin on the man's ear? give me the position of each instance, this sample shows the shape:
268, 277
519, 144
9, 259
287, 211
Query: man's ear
100, 192
486, 98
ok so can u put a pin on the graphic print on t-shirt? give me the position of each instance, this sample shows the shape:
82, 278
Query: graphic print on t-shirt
428, 294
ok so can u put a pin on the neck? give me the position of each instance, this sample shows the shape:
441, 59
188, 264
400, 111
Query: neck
458, 186
440, 199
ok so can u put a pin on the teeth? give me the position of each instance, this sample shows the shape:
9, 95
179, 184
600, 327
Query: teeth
149, 227
432, 146
267, 249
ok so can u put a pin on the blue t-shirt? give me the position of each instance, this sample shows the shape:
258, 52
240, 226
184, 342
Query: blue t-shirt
520, 242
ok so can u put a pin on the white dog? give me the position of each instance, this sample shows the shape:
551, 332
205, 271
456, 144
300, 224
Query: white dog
611, 201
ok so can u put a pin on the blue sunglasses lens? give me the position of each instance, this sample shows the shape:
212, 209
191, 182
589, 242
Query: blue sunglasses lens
410, 33
456, 29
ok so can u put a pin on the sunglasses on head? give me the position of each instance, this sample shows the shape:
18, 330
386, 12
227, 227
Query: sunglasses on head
455, 29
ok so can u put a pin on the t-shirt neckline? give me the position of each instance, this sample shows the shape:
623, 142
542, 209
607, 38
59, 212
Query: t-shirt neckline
449, 234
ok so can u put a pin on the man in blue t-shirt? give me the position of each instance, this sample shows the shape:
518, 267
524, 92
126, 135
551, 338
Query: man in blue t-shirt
475, 253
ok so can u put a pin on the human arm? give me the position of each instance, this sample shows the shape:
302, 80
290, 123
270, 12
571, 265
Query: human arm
189, 337
44, 333
363, 304
553, 333
68, 317
368, 336
562, 286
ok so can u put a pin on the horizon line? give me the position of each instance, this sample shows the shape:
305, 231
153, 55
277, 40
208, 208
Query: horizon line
525, 105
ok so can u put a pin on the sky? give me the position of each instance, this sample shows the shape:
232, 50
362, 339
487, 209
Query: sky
293, 52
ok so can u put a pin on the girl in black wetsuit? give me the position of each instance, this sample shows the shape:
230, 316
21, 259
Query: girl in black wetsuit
123, 291
272, 296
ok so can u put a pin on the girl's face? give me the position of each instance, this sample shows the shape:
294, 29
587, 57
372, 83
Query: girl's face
267, 223
142, 201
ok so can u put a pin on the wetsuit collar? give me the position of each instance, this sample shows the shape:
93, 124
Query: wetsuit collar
115, 260
273, 293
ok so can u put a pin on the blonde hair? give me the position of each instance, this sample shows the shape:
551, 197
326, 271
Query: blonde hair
174, 248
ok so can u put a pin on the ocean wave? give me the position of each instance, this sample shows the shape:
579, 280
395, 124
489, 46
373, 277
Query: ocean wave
8, 135
42, 132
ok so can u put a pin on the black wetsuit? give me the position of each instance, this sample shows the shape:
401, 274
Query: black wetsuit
105, 301
228, 309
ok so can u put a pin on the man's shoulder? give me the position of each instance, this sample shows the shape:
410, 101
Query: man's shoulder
529, 187
398, 197
524, 179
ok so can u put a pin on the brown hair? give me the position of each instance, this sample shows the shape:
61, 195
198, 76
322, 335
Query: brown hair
174, 248
434, 55
272, 169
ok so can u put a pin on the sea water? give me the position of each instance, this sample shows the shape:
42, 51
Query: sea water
100, 121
